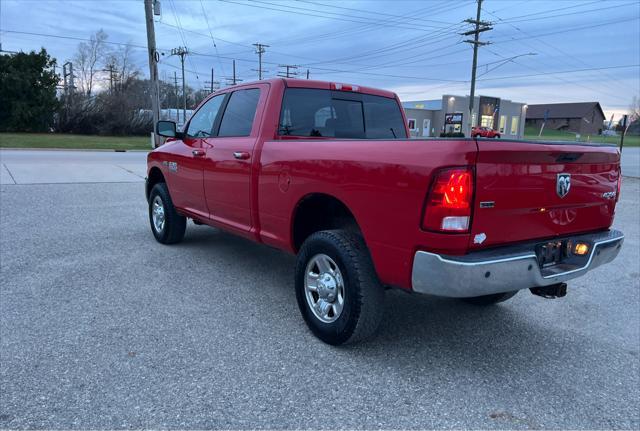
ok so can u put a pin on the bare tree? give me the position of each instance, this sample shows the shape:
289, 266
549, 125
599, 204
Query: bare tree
634, 109
121, 62
88, 60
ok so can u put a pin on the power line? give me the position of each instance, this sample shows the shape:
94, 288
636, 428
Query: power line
554, 47
623, 66
351, 30
547, 11
377, 13
177, 18
338, 18
558, 49
204, 13
231, 58
568, 30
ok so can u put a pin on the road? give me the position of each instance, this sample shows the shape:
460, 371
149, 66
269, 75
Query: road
630, 162
102, 327
46, 167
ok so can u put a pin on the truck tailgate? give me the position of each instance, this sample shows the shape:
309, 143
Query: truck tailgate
529, 190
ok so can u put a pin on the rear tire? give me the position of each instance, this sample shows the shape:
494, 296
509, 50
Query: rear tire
496, 298
167, 225
337, 289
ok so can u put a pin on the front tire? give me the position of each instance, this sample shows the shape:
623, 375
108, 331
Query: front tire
167, 225
337, 289
496, 298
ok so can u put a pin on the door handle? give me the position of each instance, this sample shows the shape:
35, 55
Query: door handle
241, 155
198, 153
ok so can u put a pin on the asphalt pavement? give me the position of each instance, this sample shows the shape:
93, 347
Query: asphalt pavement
102, 327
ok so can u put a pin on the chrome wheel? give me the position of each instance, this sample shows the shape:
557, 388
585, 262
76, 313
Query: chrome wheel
157, 214
324, 288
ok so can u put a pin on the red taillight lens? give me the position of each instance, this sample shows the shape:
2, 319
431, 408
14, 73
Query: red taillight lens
449, 203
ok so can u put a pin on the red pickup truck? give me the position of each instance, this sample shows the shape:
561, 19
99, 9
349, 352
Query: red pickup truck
484, 132
327, 171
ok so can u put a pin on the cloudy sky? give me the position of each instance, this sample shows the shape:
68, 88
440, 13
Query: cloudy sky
540, 51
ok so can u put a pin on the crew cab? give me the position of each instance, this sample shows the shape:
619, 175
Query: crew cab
484, 132
327, 171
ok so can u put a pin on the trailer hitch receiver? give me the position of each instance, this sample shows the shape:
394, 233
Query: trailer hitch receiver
552, 291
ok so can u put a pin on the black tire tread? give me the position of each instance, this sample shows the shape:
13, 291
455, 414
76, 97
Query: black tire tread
369, 307
175, 224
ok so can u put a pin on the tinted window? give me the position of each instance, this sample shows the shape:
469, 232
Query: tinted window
383, 118
315, 112
201, 124
238, 116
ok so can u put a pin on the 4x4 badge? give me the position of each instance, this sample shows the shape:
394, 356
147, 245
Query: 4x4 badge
563, 184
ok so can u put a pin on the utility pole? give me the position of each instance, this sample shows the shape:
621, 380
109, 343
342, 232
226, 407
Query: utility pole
154, 57
480, 26
260, 49
67, 74
233, 80
624, 131
182, 52
111, 69
175, 83
213, 85
290, 71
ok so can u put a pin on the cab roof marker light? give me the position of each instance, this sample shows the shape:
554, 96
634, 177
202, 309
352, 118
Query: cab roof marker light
345, 87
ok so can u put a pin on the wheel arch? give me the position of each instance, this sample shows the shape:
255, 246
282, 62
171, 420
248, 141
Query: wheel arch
155, 176
320, 211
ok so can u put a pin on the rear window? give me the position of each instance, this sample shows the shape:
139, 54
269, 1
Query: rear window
335, 114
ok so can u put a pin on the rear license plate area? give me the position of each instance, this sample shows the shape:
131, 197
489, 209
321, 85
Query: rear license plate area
552, 252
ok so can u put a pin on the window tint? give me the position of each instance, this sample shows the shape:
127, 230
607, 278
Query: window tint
315, 112
383, 118
201, 124
238, 116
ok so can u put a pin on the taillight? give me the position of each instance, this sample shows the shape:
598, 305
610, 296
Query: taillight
449, 202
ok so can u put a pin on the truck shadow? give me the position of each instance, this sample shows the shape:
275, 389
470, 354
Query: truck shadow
417, 330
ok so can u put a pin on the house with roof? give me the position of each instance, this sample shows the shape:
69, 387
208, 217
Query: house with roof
585, 118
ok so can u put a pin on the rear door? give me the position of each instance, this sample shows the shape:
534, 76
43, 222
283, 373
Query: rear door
230, 159
529, 190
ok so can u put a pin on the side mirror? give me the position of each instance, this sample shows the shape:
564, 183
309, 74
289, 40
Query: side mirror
167, 129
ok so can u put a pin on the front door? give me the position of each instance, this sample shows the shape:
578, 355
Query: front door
188, 157
426, 127
230, 159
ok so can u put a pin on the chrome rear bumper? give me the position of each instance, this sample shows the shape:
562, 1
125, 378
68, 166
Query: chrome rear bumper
507, 268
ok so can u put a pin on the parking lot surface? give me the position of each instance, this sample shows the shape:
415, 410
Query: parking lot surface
102, 327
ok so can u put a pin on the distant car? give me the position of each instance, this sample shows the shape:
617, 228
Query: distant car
484, 132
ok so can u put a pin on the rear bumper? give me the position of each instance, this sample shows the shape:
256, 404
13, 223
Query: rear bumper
506, 269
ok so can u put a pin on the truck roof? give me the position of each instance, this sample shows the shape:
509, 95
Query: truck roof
326, 85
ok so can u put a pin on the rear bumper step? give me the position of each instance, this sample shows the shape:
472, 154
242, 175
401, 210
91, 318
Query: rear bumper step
507, 268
